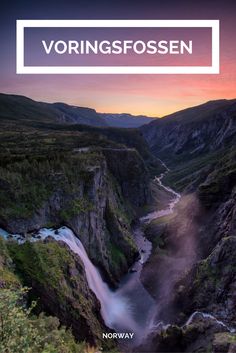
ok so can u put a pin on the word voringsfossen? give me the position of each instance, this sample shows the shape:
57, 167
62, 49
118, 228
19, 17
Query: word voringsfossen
117, 47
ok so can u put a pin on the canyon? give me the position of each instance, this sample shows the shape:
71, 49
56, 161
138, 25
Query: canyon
143, 220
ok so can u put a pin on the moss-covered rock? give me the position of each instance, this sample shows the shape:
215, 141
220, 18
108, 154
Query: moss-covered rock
198, 336
80, 190
210, 285
58, 282
7, 277
224, 342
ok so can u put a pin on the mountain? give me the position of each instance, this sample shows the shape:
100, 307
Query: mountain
191, 271
92, 179
126, 120
193, 131
12, 106
79, 115
56, 172
193, 140
23, 108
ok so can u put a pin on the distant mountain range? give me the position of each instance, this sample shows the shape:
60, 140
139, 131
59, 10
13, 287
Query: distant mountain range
26, 108
126, 120
66, 165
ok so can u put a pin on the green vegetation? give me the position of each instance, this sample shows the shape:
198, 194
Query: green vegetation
212, 174
185, 172
30, 180
21, 332
48, 175
224, 338
121, 242
76, 207
117, 257
155, 231
58, 285
41, 157
41, 262
207, 275
221, 181
7, 278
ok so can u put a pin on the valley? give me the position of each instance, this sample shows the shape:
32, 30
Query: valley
125, 229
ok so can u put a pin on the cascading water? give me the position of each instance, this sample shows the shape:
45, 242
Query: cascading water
113, 307
130, 308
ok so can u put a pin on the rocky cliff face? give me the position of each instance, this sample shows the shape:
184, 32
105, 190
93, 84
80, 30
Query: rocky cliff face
191, 132
131, 174
57, 281
210, 285
194, 249
196, 337
96, 196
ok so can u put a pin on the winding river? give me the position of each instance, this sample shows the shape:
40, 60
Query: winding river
130, 308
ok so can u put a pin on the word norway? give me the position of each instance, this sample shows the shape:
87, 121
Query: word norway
123, 335
118, 47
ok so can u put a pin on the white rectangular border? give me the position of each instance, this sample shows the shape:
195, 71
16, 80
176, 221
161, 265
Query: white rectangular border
213, 24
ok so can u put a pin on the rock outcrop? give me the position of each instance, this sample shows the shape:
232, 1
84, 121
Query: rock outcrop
210, 285
201, 335
94, 193
58, 282
198, 144
193, 131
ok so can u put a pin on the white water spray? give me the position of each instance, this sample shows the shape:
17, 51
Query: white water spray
115, 309
130, 307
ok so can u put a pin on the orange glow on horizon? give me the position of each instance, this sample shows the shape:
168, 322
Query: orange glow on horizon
150, 95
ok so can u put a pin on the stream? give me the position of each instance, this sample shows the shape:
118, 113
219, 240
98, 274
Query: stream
129, 308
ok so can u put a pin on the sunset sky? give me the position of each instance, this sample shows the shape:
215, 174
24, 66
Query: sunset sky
153, 95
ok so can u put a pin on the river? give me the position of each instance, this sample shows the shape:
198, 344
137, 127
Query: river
130, 308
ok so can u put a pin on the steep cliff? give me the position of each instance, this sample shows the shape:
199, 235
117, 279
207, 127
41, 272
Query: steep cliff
57, 280
92, 179
192, 267
80, 189
192, 132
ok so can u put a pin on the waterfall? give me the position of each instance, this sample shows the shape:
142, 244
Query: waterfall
115, 309
130, 307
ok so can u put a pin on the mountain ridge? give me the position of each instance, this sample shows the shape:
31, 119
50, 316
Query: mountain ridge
193, 131
66, 113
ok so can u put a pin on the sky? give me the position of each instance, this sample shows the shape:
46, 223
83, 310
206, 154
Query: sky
153, 95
